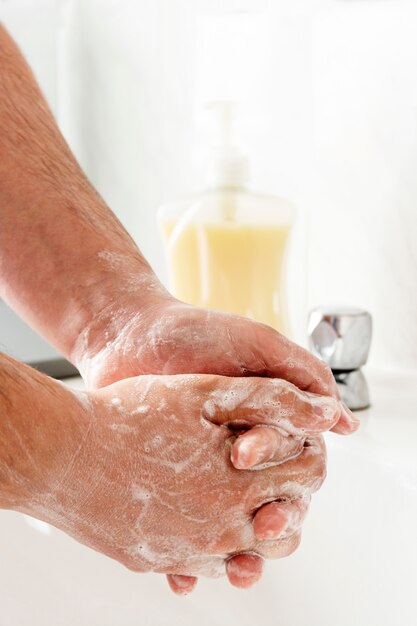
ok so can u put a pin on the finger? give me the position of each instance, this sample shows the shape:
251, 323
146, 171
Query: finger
279, 519
309, 374
247, 348
278, 357
181, 585
247, 402
297, 478
263, 444
348, 423
279, 548
244, 570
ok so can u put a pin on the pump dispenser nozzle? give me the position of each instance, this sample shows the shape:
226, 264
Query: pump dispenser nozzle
228, 166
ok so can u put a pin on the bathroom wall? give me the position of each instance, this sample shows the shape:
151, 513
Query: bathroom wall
35, 25
364, 64
327, 93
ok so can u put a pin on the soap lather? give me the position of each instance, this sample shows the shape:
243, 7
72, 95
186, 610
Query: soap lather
341, 337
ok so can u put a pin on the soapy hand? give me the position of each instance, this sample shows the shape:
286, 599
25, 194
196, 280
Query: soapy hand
151, 483
170, 337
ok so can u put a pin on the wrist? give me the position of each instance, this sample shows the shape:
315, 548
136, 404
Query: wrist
41, 428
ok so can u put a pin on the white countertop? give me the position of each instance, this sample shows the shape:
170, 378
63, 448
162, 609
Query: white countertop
388, 429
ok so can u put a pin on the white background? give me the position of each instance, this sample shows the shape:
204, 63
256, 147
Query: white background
328, 99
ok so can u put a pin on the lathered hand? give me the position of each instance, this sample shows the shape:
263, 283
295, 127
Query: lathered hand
151, 483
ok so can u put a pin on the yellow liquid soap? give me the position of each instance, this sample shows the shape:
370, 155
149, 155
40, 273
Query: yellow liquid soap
229, 254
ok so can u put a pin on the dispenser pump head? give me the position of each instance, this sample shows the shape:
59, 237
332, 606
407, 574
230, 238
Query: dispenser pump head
228, 165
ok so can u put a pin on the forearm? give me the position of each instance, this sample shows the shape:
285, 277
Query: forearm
64, 256
36, 416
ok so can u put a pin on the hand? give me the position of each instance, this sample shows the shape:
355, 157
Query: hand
151, 483
171, 337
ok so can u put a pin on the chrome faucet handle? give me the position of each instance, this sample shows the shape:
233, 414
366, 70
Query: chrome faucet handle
341, 337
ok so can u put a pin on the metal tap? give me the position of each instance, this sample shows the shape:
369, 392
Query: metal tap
341, 337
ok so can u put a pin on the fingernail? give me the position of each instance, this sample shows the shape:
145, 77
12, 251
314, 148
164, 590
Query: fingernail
182, 585
254, 447
244, 453
272, 523
244, 570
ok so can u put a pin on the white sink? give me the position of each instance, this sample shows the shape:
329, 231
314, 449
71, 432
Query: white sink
357, 564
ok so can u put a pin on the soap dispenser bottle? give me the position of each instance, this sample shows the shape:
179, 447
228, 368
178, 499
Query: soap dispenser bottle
226, 247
